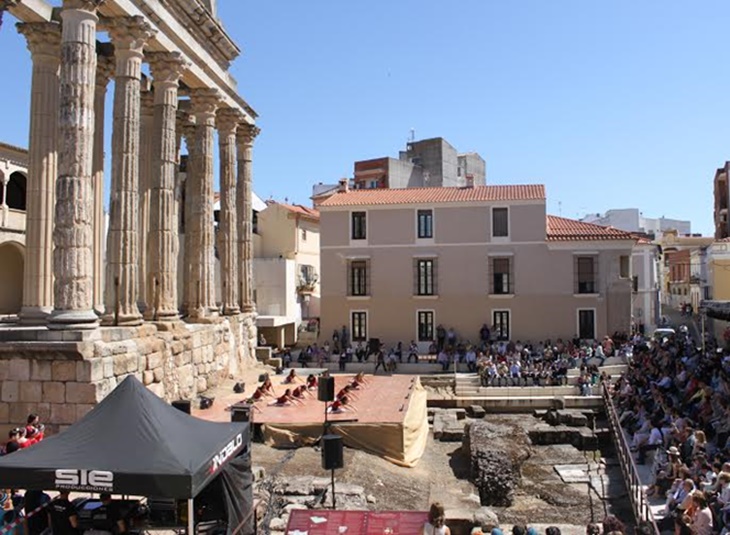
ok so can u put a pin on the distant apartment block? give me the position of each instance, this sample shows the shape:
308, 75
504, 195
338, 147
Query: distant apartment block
721, 193
426, 163
632, 220
397, 263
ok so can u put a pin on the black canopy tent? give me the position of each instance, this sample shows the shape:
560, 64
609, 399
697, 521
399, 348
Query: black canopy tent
134, 443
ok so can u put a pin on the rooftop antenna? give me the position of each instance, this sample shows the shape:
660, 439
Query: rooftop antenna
560, 208
413, 134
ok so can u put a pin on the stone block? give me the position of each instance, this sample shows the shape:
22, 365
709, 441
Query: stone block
89, 370
148, 377
82, 410
477, 411
460, 414
183, 358
40, 370
54, 392
44, 411
159, 375
202, 384
4, 413
81, 393
10, 391
31, 391
121, 363
63, 370
107, 364
105, 386
141, 363
19, 369
197, 355
154, 360
158, 389
63, 413
19, 411
4, 369
452, 433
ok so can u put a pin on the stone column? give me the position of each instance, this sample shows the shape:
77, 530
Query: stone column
44, 43
188, 286
227, 226
204, 104
129, 35
162, 249
73, 292
145, 181
104, 71
245, 136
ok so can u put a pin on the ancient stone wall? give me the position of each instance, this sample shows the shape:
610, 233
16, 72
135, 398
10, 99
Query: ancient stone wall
61, 379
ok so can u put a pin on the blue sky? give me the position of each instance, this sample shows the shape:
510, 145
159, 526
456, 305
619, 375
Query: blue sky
610, 104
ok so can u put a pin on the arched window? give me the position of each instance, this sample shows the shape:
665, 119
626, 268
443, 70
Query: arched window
16, 191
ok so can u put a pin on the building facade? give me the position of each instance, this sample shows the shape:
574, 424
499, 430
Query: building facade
425, 163
398, 263
645, 306
721, 190
13, 203
632, 220
286, 271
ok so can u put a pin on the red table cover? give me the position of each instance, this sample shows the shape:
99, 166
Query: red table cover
303, 522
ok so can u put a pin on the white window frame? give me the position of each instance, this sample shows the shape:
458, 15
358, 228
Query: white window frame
595, 320
367, 323
426, 342
509, 325
356, 242
433, 225
500, 239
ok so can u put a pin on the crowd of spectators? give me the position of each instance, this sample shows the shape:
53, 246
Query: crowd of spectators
674, 405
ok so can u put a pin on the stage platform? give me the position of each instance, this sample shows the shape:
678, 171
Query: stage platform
387, 417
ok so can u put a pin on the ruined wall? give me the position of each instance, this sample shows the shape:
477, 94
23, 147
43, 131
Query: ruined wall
61, 375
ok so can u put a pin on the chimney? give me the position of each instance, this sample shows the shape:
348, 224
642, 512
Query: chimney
344, 186
469, 181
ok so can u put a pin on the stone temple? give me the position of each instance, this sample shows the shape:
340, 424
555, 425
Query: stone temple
101, 303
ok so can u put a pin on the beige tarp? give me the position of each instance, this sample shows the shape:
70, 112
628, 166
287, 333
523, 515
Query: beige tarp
400, 443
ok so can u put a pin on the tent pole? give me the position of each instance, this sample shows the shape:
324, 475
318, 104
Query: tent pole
191, 519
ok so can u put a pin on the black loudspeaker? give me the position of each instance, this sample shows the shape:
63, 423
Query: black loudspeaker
326, 389
182, 405
332, 452
373, 345
241, 412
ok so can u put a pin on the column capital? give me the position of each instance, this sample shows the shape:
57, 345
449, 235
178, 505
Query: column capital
104, 70
129, 33
43, 38
227, 120
246, 133
204, 102
166, 67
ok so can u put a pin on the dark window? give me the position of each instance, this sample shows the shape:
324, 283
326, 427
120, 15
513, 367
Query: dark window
500, 324
359, 326
255, 222
587, 324
500, 222
635, 283
585, 276
624, 267
502, 283
425, 276
425, 224
425, 325
358, 280
15, 196
359, 226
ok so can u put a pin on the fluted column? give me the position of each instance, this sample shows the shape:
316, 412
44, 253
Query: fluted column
189, 287
227, 225
245, 136
145, 180
129, 35
44, 43
73, 292
163, 245
104, 71
204, 104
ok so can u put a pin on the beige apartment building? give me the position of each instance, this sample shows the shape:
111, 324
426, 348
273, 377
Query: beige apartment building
396, 263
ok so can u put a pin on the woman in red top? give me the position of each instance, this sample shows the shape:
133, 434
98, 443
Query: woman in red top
285, 399
311, 382
291, 378
299, 392
258, 395
347, 390
267, 387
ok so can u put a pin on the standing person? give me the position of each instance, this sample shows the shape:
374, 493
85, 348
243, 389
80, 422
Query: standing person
380, 361
436, 521
345, 337
62, 516
484, 336
336, 341
342, 360
413, 352
37, 523
440, 338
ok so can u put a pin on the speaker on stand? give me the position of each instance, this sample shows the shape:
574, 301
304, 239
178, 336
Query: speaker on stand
332, 451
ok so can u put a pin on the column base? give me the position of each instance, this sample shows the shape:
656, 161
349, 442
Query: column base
72, 320
162, 315
231, 311
34, 315
123, 320
248, 309
99, 310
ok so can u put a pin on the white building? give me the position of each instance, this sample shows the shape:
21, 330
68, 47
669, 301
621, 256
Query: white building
632, 220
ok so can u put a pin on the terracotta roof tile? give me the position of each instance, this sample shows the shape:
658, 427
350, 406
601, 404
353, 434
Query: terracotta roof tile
298, 209
563, 229
364, 197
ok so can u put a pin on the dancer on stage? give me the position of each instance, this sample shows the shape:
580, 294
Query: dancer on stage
358, 381
268, 386
300, 392
311, 382
292, 377
348, 390
285, 399
341, 405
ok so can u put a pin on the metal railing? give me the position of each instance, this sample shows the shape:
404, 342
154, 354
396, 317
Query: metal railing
637, 496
